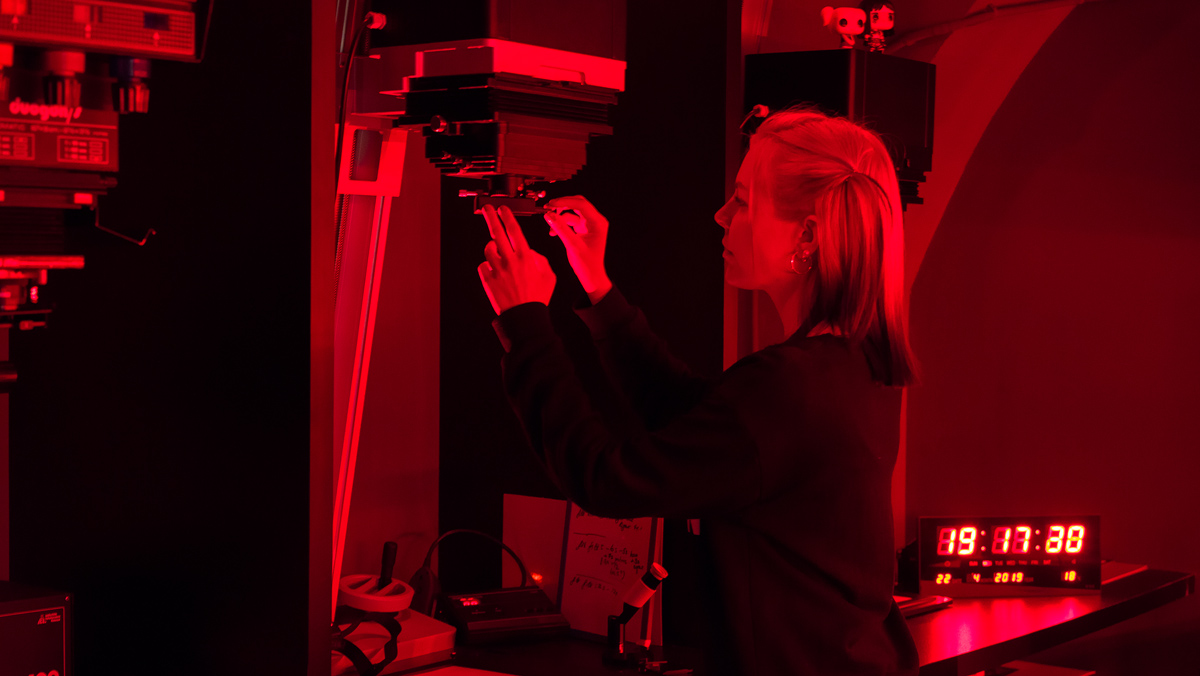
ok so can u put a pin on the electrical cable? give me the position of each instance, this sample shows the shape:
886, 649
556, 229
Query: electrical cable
358, 35
443, 536
372, 20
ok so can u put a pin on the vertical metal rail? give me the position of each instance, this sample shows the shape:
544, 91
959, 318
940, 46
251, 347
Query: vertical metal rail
7, 376
358, 384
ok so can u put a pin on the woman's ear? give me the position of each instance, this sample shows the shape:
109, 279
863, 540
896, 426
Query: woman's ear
807, 236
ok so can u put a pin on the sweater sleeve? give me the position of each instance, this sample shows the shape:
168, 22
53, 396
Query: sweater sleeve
657, 384
702, 462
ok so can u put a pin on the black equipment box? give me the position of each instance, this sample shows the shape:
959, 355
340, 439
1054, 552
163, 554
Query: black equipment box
486, 617
595, 27
35, 631
893, 96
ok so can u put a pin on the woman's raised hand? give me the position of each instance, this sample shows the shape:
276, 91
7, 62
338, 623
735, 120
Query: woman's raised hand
584, 236
513, 273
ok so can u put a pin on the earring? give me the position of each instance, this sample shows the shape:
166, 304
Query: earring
805, 263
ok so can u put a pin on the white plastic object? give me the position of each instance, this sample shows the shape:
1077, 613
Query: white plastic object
376, 20
359, 591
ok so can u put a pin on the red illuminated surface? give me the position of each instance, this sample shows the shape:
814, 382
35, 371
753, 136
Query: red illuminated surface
971, 624
41, 262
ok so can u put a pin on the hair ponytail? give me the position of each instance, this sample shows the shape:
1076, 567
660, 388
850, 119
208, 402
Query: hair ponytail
844, 173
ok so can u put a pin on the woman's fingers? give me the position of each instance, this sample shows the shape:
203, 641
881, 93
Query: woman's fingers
485, 274
496, 228
580, 204
561, 229
569, 220
492, 254
515, 236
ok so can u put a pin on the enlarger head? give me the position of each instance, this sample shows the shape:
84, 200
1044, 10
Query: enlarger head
507, 97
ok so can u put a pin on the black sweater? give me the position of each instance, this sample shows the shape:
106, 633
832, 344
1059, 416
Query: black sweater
786, 458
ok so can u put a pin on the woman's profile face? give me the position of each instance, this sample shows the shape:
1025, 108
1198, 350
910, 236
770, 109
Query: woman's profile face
758, 249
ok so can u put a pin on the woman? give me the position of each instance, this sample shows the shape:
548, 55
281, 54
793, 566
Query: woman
787, 458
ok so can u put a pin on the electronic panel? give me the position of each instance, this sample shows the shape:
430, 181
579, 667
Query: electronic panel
162, 30
998, 556
57, 137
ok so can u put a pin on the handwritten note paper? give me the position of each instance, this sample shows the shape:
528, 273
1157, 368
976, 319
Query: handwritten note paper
534, 528
602, 558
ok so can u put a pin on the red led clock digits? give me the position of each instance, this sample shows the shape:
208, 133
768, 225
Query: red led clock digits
962, 541
1002, 539
1023, 533
966, 541
1054, 544
946, 541
1015, 558
1074, 539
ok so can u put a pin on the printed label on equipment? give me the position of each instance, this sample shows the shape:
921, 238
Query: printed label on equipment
16, 146
33, 642
82, 150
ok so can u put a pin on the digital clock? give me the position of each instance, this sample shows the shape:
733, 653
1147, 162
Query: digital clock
1003, 556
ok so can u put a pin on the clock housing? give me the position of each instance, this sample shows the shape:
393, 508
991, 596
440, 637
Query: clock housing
1009, 556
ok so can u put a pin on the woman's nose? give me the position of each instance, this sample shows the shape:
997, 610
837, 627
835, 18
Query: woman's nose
722, 217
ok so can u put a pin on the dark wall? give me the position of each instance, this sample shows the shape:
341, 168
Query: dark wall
659, 179
1055, 314
160, 427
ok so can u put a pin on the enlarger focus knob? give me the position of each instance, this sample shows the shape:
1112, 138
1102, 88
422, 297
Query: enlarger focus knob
131, 92
60, 86
131, 98
363, 592
377, 593
6, 62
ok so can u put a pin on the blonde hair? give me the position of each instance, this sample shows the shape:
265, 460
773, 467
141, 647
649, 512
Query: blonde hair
841, 171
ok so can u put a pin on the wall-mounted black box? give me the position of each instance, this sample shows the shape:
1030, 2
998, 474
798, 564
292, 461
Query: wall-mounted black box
595, 27
35, 631
891, 95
